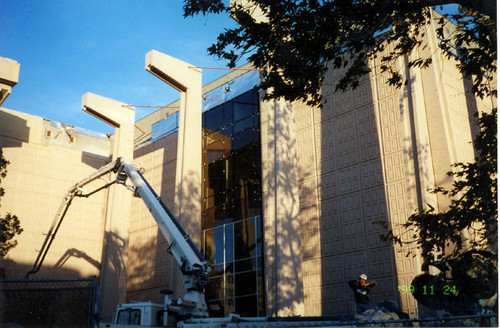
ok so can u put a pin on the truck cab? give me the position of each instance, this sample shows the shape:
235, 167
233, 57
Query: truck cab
143, 314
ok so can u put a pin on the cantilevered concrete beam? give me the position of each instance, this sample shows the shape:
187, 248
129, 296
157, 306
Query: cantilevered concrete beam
9, 75
185, 78
117, 114
113, 275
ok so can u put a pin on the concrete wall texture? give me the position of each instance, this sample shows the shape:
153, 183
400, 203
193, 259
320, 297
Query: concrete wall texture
45, 160
371, 155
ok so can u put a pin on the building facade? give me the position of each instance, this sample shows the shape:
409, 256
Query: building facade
290, 195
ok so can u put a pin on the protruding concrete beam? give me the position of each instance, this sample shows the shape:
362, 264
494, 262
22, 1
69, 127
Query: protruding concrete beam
107, 110
185, 78
176, 73
9, 76
117, 114
113, 277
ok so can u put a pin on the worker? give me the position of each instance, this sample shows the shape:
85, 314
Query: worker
361, 288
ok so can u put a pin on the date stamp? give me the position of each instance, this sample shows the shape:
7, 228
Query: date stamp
428, 290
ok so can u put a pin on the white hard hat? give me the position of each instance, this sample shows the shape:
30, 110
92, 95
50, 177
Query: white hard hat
363, 276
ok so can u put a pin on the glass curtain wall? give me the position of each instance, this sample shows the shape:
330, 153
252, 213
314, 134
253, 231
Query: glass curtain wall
232, 207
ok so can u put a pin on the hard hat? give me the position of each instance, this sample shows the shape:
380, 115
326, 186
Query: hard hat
363, 276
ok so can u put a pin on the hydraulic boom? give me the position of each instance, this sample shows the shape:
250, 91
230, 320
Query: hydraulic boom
194, 267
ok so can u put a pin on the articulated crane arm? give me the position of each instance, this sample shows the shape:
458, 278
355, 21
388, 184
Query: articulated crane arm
75, 191
194, 267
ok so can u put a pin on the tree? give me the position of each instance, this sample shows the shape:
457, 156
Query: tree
473, 204
9, 224
295, 40
298, 37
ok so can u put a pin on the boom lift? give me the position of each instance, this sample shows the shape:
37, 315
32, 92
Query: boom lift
194, 267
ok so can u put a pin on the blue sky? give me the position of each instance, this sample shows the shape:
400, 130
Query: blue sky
69, 47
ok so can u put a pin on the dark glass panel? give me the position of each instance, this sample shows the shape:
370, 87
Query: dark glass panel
244, 138
244, 239
245, 265
218, 269
229, 290
215, 155
215, 288
254, 195
247, 98
245, 283
213, 119
229, 237
258, 262
243, 124
256, 119
208, 246
218, 235
237, 210
208, 218
242, 110
228, 114
259, 251
228, 129
217, 181
246, 306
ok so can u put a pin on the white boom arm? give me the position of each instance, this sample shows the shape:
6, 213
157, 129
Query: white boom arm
186, 254
193, 265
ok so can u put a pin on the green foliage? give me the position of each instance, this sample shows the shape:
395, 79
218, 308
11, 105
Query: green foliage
473, 204
9, 224
297, 38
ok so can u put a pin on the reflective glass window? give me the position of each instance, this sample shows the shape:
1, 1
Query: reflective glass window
213, 119
242, 109
244, 138
243, 124
245, 283
246, 306
232, 207
228, 114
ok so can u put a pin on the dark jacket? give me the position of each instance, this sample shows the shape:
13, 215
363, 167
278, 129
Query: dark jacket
361, 293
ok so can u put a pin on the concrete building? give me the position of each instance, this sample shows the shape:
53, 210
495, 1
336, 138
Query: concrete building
289, 194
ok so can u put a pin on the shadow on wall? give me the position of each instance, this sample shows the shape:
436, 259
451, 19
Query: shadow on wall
282, 236
353, 193
472, 108
62, 269
114, 247
189, 218
14, 128
93, 160
14, 270
149, 267
75, 253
